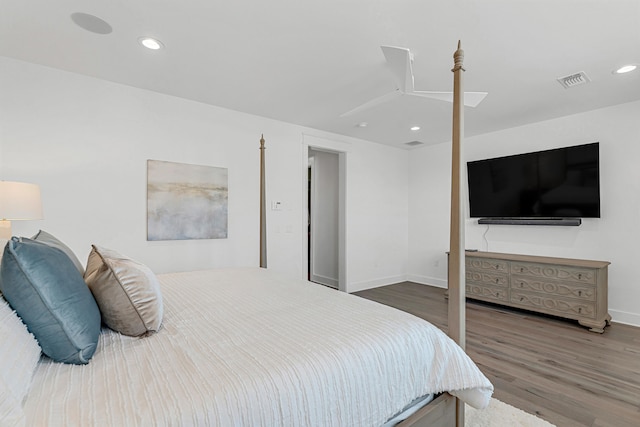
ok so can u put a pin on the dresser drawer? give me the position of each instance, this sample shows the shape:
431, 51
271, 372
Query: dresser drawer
571, 288
562, 289
487, 264
565, 307
559, 272
487, 293
487, 278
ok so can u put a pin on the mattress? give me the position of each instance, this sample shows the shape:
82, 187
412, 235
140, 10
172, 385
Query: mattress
250, 347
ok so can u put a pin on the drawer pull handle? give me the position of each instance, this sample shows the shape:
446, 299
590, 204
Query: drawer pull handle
521, 298
579, 309
579, 275
521, 269
496, 280
579, 293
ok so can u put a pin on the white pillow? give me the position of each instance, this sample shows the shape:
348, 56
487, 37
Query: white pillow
19, 355
11, 413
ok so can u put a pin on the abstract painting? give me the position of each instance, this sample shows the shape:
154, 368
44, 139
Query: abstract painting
186, 201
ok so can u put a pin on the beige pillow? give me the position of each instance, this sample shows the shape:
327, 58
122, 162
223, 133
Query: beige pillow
127, 292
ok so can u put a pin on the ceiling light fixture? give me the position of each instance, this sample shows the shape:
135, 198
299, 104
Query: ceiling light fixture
415, 128
362, 124
151, 43
626, 69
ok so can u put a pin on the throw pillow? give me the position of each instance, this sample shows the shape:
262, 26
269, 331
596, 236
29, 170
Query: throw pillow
46, 290
11, 413
19, 355
127, 292
51, 240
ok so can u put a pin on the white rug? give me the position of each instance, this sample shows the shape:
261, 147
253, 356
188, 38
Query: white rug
499, 414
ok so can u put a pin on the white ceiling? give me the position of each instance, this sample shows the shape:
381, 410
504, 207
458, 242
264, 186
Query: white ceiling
308, 61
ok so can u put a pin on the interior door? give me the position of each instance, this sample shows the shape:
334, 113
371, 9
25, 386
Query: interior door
324, 218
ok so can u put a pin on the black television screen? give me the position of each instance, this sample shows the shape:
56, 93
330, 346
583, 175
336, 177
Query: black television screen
558, 183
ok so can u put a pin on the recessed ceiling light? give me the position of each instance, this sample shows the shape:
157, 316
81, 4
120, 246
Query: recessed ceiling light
625, 69
415, 128
362, 124
150, 43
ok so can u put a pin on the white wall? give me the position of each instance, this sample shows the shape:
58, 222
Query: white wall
86, 143
613, 237
429, 207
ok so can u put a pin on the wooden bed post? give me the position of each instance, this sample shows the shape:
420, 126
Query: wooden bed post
457, 242
263, 209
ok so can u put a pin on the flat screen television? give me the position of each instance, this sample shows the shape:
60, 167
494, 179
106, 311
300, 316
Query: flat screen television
558, 183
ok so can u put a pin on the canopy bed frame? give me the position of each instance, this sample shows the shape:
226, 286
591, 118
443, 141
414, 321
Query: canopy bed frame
227, 346
445, 410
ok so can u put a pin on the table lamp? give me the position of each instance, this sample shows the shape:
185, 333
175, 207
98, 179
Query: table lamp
18, 201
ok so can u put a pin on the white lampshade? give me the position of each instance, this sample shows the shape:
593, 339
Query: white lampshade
18, 201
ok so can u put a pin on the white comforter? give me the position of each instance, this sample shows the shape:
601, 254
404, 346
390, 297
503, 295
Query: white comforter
246, 347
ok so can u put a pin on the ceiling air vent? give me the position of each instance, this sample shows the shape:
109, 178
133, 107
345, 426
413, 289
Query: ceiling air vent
574, 80
413, 143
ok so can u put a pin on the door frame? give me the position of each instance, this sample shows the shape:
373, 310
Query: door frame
321, 144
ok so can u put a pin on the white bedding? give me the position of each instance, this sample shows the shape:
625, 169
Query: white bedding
247, 347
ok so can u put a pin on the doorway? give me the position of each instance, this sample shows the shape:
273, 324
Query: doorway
325, 213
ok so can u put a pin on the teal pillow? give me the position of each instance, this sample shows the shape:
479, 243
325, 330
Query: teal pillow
43, 286
51, 240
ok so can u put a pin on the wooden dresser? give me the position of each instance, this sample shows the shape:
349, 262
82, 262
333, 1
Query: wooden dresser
571, 288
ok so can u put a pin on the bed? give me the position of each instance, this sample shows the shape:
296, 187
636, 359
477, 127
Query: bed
223, 347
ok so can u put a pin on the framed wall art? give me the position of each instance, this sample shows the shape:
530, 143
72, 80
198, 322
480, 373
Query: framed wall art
186, 202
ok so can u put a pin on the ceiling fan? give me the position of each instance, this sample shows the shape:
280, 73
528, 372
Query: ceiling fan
399, 60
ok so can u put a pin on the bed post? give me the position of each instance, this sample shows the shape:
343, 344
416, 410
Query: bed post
456, 243
263, 209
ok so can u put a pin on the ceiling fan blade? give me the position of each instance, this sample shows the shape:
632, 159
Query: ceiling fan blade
399, 61
471, 99
375, 101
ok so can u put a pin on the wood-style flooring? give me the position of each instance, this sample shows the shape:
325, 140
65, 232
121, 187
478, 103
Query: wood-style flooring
553, 368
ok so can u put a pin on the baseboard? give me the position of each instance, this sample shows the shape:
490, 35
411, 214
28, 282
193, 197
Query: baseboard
632, 319
369, 284
427, 280
325, 280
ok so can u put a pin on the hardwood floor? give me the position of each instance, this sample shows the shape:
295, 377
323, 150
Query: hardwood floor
546, 366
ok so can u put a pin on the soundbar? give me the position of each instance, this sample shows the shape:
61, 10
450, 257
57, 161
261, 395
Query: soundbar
531, 221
